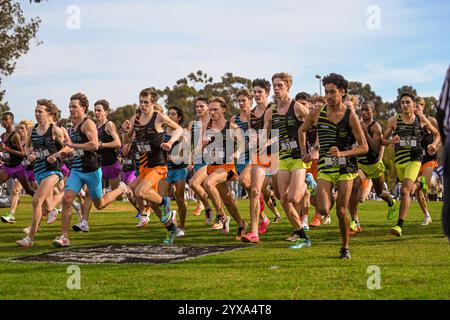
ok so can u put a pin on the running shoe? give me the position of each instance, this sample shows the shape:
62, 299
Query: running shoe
316, 222
61, 242
25, 242
198, 209
392, 210
262, 229
52, 216
396, 231
209, 217
81, 227
180, 233
8, 219
312, 185
301, 243
293, 238
358, 229
353, 225
171, 235
344, 253
277, 218
143, 222
218, 225
426, 221
166, 213
250, 237
326, 220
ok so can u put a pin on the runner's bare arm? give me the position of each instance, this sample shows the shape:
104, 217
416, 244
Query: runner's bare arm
112, 131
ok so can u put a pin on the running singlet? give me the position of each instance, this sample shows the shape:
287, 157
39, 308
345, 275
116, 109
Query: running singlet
409, 148
175, 150
83, 161
371, 157
43, 147
339, 135
287, 126
148, 142
131, 161
243, 126
258, 124
108, 156
215, 150
9, 159
426, 141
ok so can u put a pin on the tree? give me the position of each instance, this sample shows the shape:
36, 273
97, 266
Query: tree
121, 114
184, 92
15, 36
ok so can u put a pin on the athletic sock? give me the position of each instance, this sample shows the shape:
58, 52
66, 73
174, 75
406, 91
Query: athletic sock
400, 222
302, 234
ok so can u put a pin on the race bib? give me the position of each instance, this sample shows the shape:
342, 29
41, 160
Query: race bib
42, 153
143, 147
335, 161
287, 145
78, 152
408, 142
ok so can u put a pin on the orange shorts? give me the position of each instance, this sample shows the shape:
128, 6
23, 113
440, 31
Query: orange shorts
263, 161
230, 168
313, 169
154, 175
430, 164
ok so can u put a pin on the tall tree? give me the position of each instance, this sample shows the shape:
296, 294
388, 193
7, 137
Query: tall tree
15, 36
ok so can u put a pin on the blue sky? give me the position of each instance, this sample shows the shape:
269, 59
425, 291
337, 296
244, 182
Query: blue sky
124, 46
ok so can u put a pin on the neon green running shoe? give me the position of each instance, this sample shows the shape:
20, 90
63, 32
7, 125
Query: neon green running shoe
396, 231
353, 226
392, 210
8, 219
301, 243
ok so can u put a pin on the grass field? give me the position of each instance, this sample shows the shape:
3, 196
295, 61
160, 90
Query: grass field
416, 266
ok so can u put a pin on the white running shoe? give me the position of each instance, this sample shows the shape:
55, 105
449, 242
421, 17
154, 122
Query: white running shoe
143, 221
25, 242
326, 220
180, 233
61, 242
426, 221
83, 226
52, 216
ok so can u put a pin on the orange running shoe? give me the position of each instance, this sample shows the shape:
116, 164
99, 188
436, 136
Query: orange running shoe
316, 222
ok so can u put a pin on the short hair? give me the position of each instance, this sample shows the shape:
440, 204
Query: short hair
420, 100
219, 100
284, 76
48, 104
179, 113
245, 92
84, 102
316, 98
369, 103
158, 108
302, 96
104, 103
337, 80
27, 123
149, 92
407, 93
201, 98
263, 83
353, 98
8, 113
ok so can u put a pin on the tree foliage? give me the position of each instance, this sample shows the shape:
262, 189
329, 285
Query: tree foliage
16, 34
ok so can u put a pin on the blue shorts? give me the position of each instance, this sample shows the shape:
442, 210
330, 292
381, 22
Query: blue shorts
240, 167
93, 180
43, 175
174, 175
199, 166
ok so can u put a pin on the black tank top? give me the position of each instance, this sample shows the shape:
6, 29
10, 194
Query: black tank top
257, 123
149, 143
44, 146
339, 135
409, 148
371, 157
108, 156
287, 126
9, 159
426, 141
83, 161
220, 147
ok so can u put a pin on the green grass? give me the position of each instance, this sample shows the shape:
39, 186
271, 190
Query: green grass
415, 266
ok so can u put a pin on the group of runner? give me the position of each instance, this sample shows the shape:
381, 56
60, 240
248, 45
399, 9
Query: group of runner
297, 151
